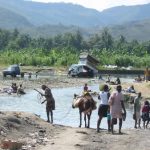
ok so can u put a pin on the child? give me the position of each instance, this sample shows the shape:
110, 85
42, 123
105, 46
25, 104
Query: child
137, 110
145, 113
109, 119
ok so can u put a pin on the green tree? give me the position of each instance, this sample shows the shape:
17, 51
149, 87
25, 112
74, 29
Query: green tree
106, 39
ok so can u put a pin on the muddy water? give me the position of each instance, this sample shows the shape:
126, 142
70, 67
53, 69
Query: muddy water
64, 114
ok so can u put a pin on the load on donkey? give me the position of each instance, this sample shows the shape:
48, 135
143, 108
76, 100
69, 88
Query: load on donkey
86, 105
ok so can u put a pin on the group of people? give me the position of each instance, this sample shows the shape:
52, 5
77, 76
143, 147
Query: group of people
141, 112
14, 89
111, 106
116, 82
145, 78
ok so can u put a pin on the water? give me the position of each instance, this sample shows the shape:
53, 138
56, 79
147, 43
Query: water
64, 114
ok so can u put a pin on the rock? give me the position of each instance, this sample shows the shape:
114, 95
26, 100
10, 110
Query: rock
8, 144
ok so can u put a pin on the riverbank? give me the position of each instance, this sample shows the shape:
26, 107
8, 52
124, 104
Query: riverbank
18, 129
36, 134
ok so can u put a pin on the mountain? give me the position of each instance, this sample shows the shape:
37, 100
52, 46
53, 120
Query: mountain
124, 14
53, 13
9, 19
139, 30
70, 14
49, 19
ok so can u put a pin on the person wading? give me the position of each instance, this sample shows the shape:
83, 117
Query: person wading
50, 105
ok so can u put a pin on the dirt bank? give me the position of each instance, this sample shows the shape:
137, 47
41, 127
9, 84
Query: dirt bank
33, 133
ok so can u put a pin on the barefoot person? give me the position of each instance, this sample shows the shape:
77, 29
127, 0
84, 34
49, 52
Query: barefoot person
50, 105
116, 106
103, 108
137, 109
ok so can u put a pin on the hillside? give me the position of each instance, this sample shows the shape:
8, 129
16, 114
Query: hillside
53, 13
50, 19
139, 30
70, 14
124, 14
12, 20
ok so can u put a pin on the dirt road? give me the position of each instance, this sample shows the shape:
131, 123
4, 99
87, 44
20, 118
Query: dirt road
88, 139
69, 139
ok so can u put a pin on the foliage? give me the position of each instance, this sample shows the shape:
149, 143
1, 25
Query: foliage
64, 50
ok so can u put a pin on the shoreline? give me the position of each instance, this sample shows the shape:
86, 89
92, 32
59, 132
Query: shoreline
65, 82
36, 134
27, 127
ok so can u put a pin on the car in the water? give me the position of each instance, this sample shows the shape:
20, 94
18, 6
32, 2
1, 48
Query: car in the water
80, 70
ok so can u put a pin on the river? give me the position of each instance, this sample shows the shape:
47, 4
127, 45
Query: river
64, 114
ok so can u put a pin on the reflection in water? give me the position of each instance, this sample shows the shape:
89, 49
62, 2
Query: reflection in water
64, 114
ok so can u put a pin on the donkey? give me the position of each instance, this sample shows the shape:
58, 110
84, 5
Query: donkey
85, 104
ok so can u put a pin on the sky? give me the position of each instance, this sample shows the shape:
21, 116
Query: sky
100, 4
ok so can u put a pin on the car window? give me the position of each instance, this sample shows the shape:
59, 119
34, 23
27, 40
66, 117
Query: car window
9, 68
73, 67
13, 68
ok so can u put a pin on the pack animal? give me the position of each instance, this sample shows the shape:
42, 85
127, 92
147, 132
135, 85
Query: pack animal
86, 105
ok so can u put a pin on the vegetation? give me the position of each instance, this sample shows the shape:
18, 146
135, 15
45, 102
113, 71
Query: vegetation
63, 50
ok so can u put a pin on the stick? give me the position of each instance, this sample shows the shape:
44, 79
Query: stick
38, 92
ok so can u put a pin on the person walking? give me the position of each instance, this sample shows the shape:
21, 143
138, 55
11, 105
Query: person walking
50, 105
116, 105
104, 106
137, 110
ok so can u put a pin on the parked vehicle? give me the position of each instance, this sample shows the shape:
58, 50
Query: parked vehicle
12, 70
80, 70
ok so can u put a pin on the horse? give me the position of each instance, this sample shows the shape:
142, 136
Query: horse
86, 105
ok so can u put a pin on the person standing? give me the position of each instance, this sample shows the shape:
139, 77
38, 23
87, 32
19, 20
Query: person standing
116, 105
137, 109
147, 75
145, 114
103, 107
50, 105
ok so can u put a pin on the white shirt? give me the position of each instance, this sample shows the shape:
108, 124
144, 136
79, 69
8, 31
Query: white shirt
103, 98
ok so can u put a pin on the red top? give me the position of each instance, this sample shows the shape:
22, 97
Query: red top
145, 109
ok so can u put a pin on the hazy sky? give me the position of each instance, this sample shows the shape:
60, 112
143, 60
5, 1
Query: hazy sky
100, 4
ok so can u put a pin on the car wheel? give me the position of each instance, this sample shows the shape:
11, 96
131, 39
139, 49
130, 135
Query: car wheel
4, 75
13, 75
